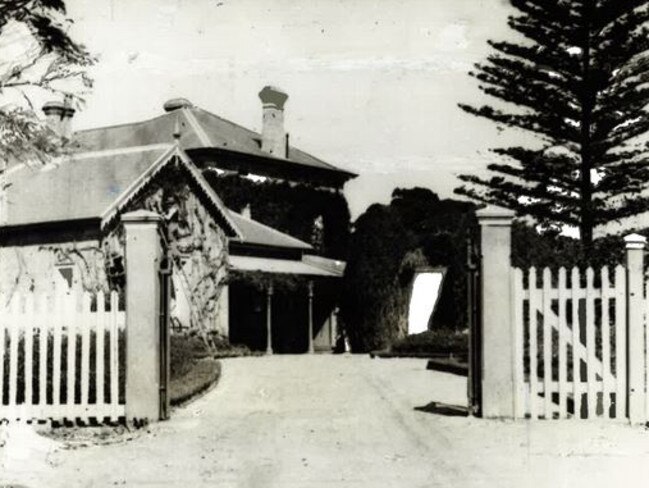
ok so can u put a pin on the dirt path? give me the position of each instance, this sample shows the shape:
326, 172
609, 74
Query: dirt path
343, 421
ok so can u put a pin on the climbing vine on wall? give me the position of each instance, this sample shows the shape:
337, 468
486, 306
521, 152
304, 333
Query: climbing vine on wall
315, 215
196, 244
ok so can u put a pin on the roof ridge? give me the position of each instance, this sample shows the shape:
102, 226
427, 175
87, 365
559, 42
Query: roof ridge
120, 150
123, 124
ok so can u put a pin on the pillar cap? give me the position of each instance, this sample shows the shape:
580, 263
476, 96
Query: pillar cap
635, 241
493, 215
141, 216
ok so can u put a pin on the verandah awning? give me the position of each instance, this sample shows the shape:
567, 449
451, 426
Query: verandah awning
307, 266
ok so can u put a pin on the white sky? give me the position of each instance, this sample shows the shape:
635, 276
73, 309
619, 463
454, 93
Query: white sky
373, 84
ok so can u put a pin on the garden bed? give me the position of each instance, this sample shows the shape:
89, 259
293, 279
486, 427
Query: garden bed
202, 375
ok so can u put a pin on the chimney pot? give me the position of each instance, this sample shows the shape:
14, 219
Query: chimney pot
58, 117
176, 103
273, 136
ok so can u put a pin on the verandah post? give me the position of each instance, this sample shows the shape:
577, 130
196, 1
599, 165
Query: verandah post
143, 354
269, 319
310, 324
498, 334
635, 245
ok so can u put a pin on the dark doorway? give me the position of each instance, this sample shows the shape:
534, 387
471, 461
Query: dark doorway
247, 320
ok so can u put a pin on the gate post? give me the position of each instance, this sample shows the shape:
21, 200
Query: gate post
143, 256
498, 334
635, 245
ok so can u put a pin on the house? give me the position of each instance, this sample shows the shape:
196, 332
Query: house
59, 224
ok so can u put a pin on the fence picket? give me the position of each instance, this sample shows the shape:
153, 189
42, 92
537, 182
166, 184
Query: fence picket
519, 367
563, 409
114, 354
57, 318
606, 344
620, 341
71, 334
576, 341
14, 318
42, 351
28, 355
590, 344
85, 349
100, 321
533, 349
547, 344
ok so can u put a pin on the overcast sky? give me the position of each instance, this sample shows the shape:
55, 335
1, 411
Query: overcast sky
373, 84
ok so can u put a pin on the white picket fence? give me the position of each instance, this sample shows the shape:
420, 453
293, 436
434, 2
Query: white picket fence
59, 357
570, 344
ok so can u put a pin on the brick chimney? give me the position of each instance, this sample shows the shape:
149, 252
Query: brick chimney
273, 136
58, 117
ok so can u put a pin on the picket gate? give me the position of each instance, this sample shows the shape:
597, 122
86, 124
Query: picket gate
570, 343
60, 356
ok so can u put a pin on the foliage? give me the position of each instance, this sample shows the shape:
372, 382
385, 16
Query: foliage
577, 82
433, 341
317, 216
37, 53
388, 245
531, 248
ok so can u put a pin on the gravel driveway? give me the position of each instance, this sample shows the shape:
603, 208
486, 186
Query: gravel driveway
345, 421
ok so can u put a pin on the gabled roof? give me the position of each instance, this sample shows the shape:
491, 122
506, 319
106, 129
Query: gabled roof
94, 185
198, 129
77, 187
97, 185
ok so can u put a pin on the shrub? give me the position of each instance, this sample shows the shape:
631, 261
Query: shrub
433, 341
185, 350
389, 244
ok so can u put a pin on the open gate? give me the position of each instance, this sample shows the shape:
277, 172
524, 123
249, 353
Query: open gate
474, 382
166, 267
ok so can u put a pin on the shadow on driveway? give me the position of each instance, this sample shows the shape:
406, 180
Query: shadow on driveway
445, 409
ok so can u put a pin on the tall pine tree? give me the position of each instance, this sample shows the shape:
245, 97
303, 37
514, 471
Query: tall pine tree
578, 79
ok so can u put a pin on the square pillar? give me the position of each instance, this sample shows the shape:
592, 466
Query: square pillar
143, 351
635, 245
498, 334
